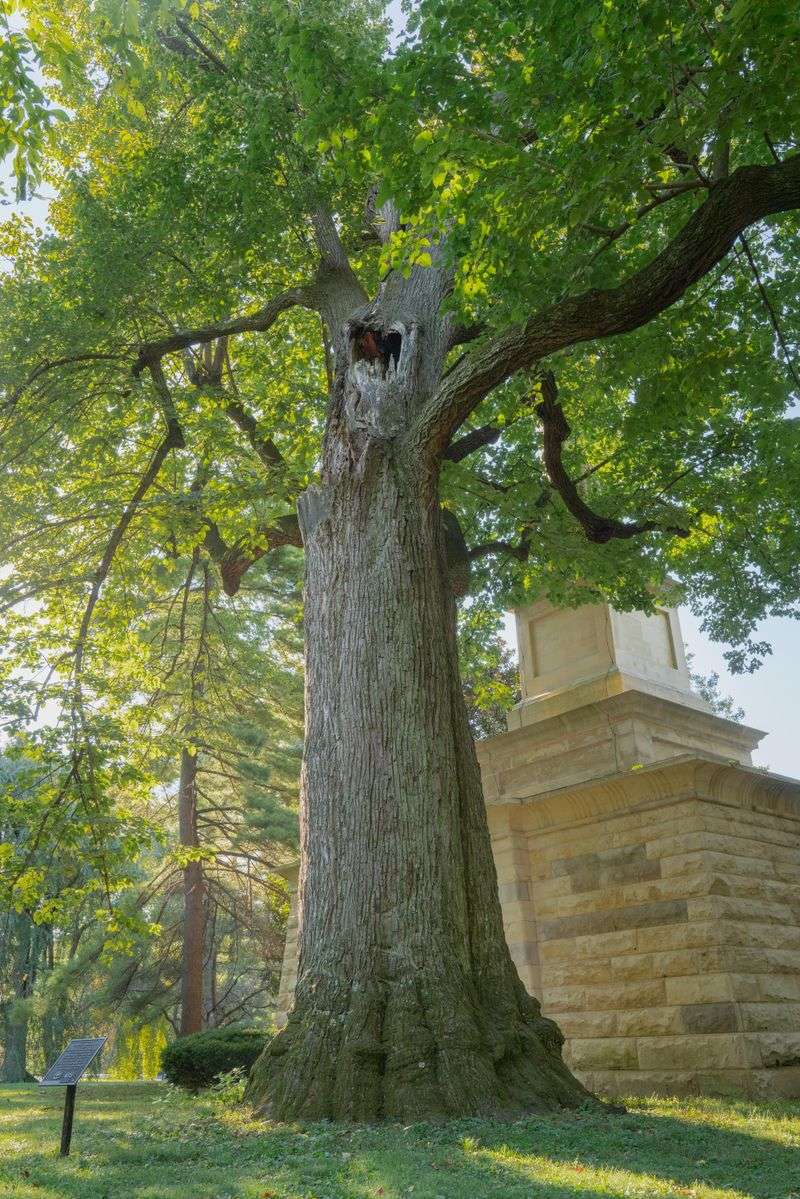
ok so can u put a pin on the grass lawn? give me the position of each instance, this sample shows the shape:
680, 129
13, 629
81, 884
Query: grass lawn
144, 1141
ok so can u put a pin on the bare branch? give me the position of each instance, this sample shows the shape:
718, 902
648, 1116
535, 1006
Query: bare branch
257, 322
597, 528
234, 561
461, 335
733, 204
173, 439
183, 23
521, 551
663, 195
476, 439
44, 367
773, 316
265, 447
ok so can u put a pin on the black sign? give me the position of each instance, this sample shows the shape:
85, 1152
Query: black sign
66, 1071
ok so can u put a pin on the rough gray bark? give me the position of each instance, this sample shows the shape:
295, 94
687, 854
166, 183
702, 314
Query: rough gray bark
407, 1003
194, 909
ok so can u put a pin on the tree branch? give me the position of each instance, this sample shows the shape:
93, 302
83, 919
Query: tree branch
746, 196
475, 440
265, 447
521, 551
44, 367
597, 528
173, 439
257, 322
337, 285
233, 561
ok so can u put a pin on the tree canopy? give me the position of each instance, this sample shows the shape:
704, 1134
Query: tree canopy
587, 171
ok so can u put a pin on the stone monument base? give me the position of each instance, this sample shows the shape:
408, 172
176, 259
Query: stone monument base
656, 913
649, 875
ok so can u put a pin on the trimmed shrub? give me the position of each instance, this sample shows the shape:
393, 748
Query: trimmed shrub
195, 1061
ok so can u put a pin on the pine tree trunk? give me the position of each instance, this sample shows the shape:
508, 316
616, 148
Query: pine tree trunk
407, 1003
15, 1019
194, 910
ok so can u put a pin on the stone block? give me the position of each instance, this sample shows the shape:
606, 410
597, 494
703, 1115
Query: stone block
569, 971
605, 1053
598, 945
688, 863
626, 996
766, 827
765, 988
688, 935
779, 988
694, 989
708, 1017
754, 934
547, 888
650, 1022
722, 907
590, 1024
770, 1017
763, 961
667, 911
702, 960
555, 999
639, 1082
701, 1052
608, 868
775, 1049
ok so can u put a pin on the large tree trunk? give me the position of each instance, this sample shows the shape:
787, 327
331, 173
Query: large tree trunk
194, 908
407, 1003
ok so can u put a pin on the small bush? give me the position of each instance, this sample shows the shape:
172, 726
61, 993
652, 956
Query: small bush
194, 1062
229, 1088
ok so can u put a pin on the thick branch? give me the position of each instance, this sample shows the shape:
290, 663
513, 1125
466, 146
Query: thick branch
337, 287
256, 322
521, 551
748, 195
596, 527
265, 447
475, 440
234, 562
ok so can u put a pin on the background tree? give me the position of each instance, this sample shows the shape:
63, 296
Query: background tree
553, 244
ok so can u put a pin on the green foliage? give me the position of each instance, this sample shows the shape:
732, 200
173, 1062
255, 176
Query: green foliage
707, 685
489, 674
138, 1052
196, 1061
535, 137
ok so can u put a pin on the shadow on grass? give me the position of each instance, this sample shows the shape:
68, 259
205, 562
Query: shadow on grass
688, 1154
128, 1146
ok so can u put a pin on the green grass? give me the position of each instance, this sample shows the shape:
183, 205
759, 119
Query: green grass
144, 1141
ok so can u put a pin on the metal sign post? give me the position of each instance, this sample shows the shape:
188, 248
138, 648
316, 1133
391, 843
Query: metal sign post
66, 1072
66, 1124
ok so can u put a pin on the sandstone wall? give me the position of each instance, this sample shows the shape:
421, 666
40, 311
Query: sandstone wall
663, 936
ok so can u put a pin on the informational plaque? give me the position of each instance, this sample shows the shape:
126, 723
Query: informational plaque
67, 1069
66, 1072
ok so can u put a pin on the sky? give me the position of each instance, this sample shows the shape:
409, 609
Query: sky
770, 697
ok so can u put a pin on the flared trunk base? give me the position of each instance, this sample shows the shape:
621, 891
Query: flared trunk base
413, 1049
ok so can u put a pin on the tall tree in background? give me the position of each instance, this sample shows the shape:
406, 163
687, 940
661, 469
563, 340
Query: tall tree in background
555, 243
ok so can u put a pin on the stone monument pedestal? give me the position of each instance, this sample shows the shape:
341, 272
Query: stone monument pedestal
649, 875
